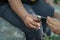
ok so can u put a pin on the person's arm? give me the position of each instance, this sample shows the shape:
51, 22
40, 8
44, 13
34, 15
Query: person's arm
28, 19
17, 6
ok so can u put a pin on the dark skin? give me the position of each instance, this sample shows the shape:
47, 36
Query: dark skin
29, 20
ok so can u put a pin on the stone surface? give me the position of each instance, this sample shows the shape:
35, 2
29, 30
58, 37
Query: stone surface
9, 32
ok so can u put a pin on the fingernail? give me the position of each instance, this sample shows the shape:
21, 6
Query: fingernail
39, 24
39, 27
49, 17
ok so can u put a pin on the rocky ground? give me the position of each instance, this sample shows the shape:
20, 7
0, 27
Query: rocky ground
10, 32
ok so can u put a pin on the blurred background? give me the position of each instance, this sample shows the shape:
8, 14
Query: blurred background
10, 32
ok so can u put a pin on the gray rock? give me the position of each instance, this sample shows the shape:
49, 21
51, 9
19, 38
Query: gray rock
10, 32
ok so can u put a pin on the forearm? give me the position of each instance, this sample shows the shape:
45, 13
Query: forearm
18, 8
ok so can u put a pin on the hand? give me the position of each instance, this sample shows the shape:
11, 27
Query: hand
32, 22
54, 24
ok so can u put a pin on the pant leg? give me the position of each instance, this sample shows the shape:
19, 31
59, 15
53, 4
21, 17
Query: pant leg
43, 9
7, 13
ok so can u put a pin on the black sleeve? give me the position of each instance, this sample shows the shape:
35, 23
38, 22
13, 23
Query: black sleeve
29, 1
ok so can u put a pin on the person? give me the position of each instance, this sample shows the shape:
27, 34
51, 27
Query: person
54, 25
19, 13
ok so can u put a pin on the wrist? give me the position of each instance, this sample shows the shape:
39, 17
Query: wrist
24, 16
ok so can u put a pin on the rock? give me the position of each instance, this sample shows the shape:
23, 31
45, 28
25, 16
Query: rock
10, 32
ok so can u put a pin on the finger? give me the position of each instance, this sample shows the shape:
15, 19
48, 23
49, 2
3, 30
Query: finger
51, 26
52, 20
32, 26
35, 23
35, 19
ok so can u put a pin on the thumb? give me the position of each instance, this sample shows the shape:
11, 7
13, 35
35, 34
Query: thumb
35, 19
49, 18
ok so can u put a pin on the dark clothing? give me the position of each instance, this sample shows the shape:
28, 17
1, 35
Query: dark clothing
24, 1
29, 1
39, 8
3, 1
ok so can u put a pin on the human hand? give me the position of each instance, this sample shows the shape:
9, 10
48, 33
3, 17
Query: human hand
54, 25
32, 22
